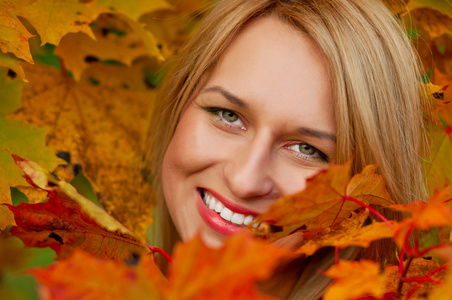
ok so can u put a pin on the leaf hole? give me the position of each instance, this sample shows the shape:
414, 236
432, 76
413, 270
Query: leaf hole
64, 155
12, 74
91, 59
56, 237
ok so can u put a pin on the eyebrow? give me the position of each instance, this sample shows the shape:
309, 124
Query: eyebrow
232, 98
316, 133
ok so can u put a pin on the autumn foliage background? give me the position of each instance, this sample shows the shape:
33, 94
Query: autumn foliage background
76, 80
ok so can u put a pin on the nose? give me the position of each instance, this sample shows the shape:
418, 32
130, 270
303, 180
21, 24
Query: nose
248, 170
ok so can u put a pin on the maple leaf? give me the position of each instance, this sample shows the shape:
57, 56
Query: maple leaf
13, 34
418, 268
197, 272
354, 279
53, 19
11, 90
99, 128
326, 201
228, 272
117, 38
439, 5
12, 64
348, 233
68, 221
443, 291
435, 22
136, 8
424, 215
74, 279
17, 137
439, 173
171, 27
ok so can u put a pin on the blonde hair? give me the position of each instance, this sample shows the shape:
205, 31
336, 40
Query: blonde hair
374, 77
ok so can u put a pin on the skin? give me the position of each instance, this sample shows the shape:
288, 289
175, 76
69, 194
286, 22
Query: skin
272, 87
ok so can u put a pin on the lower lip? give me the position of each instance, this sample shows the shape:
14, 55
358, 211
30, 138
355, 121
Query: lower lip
214, 221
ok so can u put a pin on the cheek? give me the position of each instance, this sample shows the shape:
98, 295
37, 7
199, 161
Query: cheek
188, 151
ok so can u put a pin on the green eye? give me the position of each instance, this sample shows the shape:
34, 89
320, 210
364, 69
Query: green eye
229, 116
307, 149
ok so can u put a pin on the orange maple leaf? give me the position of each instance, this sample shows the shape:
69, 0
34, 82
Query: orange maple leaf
328, 199
354, 279
424, 215
84, 276
68, 221
229, 272
348, 233
198, 272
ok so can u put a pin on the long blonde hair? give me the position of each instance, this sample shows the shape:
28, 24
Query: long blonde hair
374, 77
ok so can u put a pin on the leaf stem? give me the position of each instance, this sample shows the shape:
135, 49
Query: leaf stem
383, 218
336, 255
421, 279
158, 250
405, 271
429, 274
425, 251
450, 199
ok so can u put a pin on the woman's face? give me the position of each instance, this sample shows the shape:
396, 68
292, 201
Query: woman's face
257, 126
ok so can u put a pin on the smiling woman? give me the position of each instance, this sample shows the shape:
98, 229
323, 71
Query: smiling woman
266, 94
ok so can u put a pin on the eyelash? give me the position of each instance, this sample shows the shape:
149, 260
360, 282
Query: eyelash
320, 155
216, 111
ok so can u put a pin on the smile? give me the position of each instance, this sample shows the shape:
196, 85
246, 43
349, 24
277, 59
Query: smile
221, 215
216, 205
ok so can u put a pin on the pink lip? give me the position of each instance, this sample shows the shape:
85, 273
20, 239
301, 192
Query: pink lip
232, 206
214, 221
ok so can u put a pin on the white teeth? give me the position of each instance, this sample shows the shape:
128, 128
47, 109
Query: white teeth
237, 218
219, 207
214, 204
248, 220
255, 225
226, 214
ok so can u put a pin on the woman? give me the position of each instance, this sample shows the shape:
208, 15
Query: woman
267, 93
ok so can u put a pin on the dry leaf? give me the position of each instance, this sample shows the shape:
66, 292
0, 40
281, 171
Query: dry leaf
13, 35
84, 276
229, 272
68, 221
424, 215
197, 272
348, 233
324, 202
354, 279
99, 127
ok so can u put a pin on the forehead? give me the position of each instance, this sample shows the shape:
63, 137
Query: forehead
277, 68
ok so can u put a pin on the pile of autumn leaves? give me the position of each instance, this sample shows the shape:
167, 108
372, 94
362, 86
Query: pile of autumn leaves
97, 256
100, 258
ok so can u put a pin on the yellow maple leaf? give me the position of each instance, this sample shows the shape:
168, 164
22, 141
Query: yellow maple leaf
99, 127
114, 40
13, 34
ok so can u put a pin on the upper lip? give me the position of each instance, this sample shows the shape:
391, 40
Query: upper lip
230, 205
